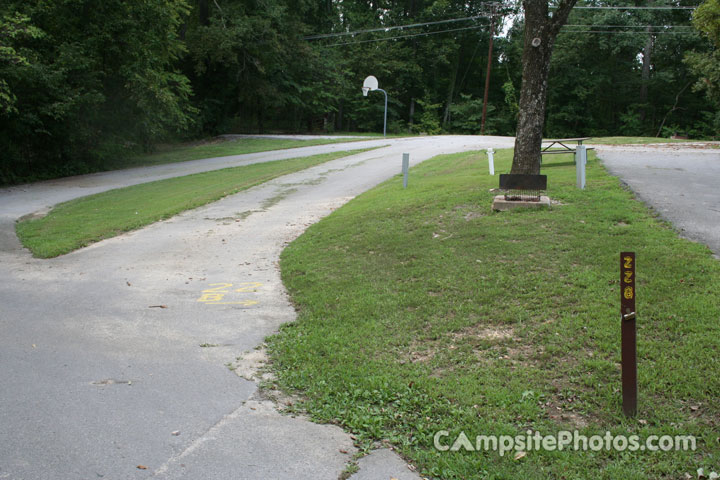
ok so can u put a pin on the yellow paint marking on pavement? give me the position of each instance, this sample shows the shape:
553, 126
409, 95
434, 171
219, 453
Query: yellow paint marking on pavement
216, 294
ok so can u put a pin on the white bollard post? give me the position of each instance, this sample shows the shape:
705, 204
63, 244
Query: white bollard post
491, 161
405, 168
580, 162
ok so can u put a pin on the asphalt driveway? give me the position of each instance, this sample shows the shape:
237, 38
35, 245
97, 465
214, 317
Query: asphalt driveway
681, 182
115, 358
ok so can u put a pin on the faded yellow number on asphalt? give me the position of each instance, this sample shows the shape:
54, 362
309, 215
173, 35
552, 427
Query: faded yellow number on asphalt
221, 294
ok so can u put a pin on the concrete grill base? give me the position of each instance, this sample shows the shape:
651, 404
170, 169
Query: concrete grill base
501, 205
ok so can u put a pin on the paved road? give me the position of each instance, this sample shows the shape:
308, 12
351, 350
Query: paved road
98, 380
680, 182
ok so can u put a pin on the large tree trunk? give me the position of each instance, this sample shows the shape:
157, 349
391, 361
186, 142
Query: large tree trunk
541, 29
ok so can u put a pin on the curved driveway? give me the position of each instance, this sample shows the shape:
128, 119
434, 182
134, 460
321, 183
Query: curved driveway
680, 181
114, 356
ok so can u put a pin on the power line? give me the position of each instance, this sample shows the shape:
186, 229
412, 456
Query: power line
632, 31
629, 26
396, 27
616, 32
403, 36
633, 8
475, 17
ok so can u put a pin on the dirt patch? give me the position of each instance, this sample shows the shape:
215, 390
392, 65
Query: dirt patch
473, 215
35, 215
560, 406
486, 332
254, 366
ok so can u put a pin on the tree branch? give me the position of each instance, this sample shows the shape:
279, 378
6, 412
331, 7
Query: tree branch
674, 107
562, 12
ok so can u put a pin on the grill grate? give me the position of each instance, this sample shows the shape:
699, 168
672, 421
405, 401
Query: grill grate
526, 188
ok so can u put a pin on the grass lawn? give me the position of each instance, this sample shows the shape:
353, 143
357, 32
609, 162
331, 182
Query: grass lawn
422, 311
220, 148
80, 222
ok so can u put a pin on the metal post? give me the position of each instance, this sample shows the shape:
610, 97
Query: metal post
491, 161
385, 121
628, 350
580, 162
405, 168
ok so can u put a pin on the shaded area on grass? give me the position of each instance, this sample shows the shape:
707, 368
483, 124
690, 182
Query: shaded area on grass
420, 311
80, 222
220, 148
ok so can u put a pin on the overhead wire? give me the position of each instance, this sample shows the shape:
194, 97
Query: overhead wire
475, 17
669, 7
403, 36
395, 27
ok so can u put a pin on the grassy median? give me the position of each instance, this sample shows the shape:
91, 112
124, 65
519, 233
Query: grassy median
220, 147
421, 311
77, 223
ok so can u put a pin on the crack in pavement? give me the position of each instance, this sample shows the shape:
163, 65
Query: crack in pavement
87, 315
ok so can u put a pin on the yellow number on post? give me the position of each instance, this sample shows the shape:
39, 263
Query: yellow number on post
628, 262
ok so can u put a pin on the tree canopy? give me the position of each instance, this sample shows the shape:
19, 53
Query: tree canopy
82, 82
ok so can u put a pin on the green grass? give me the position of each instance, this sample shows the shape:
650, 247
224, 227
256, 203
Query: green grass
420, 311
220, 148
80, 222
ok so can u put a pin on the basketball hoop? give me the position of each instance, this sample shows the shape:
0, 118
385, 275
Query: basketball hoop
370, 84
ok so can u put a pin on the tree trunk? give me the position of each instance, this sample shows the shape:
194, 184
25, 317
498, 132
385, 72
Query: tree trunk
203, 12
412, 111
451, 89
339, 118
541, 29
647, 51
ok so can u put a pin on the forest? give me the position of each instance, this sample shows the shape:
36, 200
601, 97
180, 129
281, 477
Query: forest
83, 81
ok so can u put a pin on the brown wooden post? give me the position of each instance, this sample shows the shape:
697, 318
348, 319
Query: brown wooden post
628, 314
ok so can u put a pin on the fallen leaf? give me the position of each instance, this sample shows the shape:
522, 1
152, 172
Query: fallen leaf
157, 306
642, 422
142, 467
176, 433
519, 455
342, 450
129, 284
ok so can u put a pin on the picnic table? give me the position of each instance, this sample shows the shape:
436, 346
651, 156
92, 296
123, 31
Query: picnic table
560, 146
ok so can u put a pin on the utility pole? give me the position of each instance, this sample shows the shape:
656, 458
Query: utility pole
487, 75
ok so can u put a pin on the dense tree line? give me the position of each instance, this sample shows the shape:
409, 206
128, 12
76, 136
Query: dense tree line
82, 82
